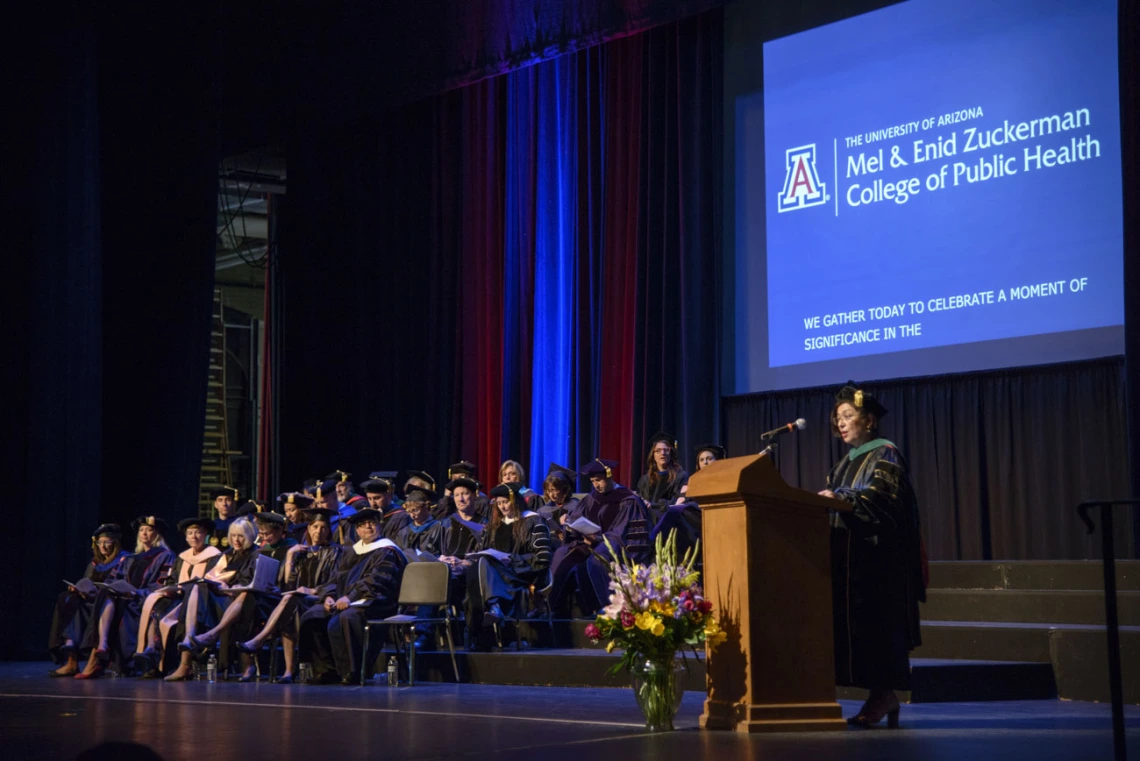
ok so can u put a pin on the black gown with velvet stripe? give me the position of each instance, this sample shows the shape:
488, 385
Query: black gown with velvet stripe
497, 582
72, 614
144, 572
876, 568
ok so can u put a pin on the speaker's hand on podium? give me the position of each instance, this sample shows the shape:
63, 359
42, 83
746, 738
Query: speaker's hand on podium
828, 493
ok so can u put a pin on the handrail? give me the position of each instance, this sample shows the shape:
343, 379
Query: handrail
1111, 620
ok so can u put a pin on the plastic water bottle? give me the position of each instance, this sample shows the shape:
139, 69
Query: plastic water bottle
212, 669
392, 680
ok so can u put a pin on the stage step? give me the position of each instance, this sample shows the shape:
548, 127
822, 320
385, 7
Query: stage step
934, 680
1064, 606
1032, 574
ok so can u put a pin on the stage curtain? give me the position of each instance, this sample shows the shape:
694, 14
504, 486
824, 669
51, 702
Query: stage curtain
999, 460
539, 251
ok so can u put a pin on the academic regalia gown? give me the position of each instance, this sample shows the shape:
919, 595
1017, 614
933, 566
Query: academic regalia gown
213, 603
221, 536
256, 606
143, 573
72, 614
299, 532
624, 520
876, 568
427, 538
312, 569
395, 518
494, 582
666, 516
553, 514
370, 573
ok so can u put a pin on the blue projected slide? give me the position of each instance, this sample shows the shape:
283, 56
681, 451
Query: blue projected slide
932, 187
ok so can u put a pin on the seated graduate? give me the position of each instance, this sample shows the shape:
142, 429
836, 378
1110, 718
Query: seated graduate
75, 605
558, 488
663, 488
324, 496
293, 504
161, 608
423, 533
664, 478
381, 496
110, 637
367, 586
621, 517
225, 506
512, 554
205, 603
308, 567
346, 494
446, 506
512, 472
248, 610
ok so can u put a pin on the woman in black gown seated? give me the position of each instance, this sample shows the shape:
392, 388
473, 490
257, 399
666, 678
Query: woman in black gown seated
75, 605
110, 637
558, 488
513, 552
876, 559
307, 567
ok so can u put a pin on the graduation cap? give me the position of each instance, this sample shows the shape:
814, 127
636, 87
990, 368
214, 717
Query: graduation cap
379, 482
158, 524
860, 400
366, 514
661, 436
224, 491
309, 486
107, 529
419, 494
718, 451
338, 475
599, 467
250, 508
425, 477
205, 524
462, 468
273, 519
325, 487
321, 515
470, 483
508, 490
555, 468
302, 501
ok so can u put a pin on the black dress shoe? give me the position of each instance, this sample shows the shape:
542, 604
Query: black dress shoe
152, 673
349, 681
324, 677
57, 675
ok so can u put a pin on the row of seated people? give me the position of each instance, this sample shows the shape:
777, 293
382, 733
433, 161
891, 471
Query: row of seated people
151, 612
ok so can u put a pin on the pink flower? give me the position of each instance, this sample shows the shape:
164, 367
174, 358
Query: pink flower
689, 605
593, 632
627, 619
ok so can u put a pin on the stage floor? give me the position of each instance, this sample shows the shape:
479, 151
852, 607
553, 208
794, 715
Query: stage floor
58, 718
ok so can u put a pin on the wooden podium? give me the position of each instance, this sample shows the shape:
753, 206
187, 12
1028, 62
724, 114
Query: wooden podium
767, 571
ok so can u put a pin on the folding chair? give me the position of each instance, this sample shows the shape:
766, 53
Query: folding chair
424, 584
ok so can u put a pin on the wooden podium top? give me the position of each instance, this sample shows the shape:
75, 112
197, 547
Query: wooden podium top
732, 479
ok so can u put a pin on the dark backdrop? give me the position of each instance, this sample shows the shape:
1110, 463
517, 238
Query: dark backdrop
999, 460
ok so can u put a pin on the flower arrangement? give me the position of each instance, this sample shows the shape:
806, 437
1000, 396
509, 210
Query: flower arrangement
655, 610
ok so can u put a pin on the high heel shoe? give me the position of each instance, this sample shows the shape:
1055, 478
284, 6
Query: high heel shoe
246, 648
248, 675
870, 716
93, 674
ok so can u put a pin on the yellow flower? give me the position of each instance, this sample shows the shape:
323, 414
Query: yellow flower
645, 620
611, 646
713, 633
665, 609
658, 628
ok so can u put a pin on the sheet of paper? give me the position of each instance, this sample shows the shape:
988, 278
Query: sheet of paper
584, 526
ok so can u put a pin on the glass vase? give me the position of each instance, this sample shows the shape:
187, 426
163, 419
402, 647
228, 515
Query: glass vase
659, 687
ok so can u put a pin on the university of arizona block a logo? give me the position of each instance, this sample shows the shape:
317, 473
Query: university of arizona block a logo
802, 187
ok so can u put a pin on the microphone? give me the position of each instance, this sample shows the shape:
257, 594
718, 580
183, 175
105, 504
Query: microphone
799, 425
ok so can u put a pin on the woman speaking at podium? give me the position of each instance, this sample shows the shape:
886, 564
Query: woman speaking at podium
876, 560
